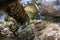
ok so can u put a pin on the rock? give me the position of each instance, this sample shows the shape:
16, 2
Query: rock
26, 33
38, 25
51, 6
51, 32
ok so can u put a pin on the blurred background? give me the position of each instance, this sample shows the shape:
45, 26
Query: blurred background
44, 21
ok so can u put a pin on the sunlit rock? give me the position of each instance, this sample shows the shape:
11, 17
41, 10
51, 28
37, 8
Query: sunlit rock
51, 32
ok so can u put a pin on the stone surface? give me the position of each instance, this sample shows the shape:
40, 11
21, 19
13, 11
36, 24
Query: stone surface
26, 33
48, 31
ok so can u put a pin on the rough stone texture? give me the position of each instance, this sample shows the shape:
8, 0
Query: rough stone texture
26, 33
48, 31
37, 25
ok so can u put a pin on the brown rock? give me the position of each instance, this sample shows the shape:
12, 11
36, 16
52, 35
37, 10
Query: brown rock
51, 32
